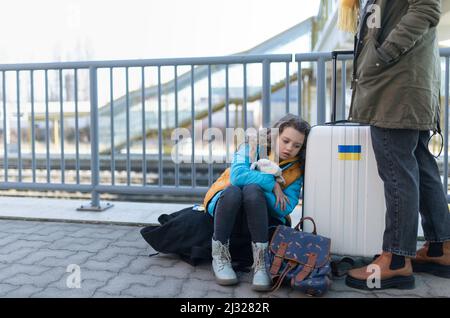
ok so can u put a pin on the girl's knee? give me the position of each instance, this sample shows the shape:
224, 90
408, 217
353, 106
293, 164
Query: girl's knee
233, 191
252, 187
252, 191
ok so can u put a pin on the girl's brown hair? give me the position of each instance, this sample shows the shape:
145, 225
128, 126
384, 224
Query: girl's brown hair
291, 120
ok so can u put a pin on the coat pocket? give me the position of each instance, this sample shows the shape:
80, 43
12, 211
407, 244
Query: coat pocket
373, 62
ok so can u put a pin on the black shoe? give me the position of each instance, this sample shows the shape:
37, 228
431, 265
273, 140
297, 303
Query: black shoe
431, 268
398, 282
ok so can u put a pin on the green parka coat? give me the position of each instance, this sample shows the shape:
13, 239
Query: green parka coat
396, 77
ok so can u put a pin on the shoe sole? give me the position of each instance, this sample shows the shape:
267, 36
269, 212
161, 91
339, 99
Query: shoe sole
432, 268
227, 282
261, 288
398, 282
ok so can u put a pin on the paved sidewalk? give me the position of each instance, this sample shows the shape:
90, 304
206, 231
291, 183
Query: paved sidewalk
65, 210
114, 262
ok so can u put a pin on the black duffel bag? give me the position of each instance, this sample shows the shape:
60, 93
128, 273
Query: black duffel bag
188, 233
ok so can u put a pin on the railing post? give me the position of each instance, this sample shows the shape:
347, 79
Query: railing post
95, 160
343, 88
321, 91
446, 122
266, 91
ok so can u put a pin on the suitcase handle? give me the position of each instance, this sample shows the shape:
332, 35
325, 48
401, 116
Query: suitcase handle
345, 123
334, 57
337, 122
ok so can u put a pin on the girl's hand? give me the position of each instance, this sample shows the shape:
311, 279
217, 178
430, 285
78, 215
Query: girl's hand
281, 198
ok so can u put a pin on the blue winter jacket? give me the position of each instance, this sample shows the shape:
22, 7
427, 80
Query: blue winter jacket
242, 175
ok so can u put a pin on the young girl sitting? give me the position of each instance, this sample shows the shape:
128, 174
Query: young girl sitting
264, 199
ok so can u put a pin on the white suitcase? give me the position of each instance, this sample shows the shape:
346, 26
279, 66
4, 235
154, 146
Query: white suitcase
343, 191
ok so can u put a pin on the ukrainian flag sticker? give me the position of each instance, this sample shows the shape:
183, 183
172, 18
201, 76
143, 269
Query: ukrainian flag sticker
349, 152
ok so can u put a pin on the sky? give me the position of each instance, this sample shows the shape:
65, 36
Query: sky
68, 30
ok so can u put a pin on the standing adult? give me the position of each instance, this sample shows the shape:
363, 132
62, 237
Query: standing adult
396, 89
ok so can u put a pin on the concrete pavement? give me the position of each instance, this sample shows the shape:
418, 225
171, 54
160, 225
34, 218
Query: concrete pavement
113, 261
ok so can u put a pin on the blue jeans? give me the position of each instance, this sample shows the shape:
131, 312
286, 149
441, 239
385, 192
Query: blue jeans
412, 184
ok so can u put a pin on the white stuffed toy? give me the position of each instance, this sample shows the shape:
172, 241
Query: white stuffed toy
270, 167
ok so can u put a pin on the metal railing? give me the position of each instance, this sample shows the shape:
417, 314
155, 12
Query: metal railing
322, 58
95, 163
95, 187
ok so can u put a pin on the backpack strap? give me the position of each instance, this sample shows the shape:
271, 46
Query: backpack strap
278, 258
289, 267
306, 270
437, 130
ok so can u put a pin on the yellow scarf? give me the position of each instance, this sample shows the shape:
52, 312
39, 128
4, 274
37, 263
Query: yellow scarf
348, 15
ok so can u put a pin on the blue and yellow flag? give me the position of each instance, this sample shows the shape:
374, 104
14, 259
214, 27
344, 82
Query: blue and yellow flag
349, 152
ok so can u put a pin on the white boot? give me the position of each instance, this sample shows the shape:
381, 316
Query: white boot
261, 279
221, 264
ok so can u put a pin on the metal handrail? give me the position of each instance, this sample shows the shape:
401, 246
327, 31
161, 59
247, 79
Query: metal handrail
319, 61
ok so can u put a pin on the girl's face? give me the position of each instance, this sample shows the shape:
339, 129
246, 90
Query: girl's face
290, 142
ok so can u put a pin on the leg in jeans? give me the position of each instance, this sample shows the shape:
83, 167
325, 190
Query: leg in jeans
398, 168
255, 208
227, 207
433, 199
